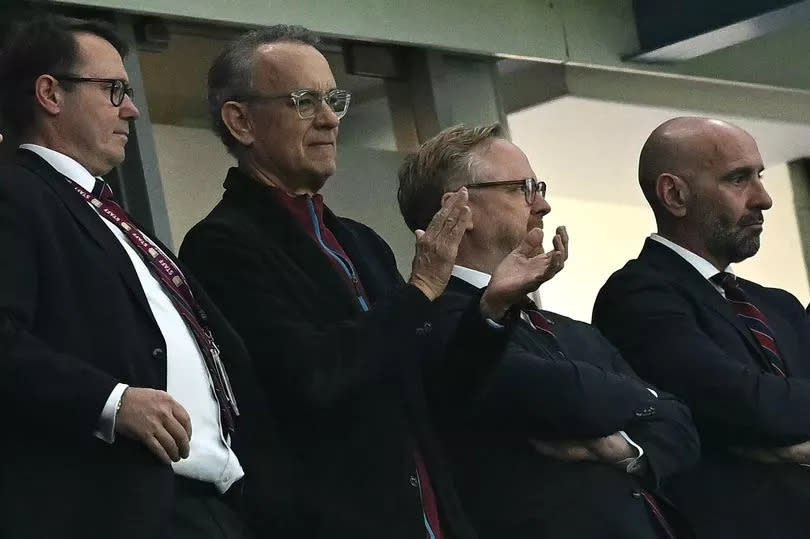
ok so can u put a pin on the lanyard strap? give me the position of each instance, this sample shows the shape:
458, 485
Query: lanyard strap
174, 283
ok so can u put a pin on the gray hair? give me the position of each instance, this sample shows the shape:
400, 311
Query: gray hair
231, 74
443, 163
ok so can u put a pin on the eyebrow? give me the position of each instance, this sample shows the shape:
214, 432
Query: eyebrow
742, 171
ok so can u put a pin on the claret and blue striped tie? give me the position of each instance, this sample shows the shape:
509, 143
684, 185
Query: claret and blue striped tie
754, 319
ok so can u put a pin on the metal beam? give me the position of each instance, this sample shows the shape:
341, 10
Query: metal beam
799, 171
525, 84
692, 93
138, 177
668, 34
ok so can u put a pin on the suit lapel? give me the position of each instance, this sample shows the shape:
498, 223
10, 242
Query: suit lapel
784, 330
89, 221
685, 275
461, 286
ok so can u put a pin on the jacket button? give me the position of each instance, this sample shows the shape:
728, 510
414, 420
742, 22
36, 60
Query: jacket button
426, 328
159, 353
413, 481
646, 412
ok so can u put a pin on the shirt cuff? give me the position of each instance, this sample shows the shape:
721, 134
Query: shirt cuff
633, 465
493, 324
106, 422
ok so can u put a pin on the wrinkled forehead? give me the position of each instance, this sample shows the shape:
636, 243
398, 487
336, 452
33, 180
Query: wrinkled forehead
286, 66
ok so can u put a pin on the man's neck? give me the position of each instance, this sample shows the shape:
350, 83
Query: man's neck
695, 246
55, 144
273, 180
478, 263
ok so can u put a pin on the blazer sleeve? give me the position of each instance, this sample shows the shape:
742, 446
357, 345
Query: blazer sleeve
656, 329
315, 363
665, 431
537, 395
42, 386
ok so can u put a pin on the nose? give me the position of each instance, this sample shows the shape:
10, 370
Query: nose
325, 117
128, 110
760, 199
541, 205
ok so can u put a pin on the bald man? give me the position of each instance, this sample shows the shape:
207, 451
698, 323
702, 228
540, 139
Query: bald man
738, 353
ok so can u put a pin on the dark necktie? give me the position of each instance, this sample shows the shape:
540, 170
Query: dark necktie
177, 289
541, 323
754, 319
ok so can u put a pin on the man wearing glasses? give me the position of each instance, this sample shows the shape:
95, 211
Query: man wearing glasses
565, 441
109, 353
338, 338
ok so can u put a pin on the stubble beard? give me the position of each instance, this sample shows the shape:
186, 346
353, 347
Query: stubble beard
727, 240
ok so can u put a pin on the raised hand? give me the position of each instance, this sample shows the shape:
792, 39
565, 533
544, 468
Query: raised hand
437, 245
155, 419
522, 271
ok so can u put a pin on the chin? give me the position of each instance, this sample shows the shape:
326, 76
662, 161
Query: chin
316, 183
745, 250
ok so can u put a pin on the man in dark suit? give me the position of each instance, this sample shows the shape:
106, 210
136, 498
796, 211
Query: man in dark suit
566, 441
107, 357
338, 337
735, 351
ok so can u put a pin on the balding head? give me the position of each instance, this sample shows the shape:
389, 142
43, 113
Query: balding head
682, 147
702, 179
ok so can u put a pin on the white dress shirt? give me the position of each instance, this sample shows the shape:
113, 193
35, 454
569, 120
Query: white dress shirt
188, 381
703, 266
479, 280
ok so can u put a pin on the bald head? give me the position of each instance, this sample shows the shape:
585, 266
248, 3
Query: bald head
683, 147
703, 180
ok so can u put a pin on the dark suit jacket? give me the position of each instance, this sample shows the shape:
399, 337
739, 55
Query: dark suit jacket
679, 333
74, 321
511, 490
347, 386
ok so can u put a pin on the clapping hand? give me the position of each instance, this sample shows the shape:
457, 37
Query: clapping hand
522, 271
437, 245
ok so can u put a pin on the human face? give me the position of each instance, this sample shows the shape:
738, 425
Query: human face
297, 153
728, 197
91, 130
501, 216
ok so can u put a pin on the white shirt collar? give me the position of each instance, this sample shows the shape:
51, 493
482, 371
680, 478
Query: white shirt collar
67, 166
476, 278
703, 266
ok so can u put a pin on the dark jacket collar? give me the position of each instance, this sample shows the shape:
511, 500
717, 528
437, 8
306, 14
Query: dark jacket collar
263, 205
88, 219
683, 274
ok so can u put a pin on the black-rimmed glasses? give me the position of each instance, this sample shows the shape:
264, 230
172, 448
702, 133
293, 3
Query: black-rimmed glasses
529, 186
118, 87
306, 101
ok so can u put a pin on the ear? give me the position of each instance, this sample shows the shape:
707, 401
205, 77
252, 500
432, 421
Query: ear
237, 120
673, 193
49, 94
